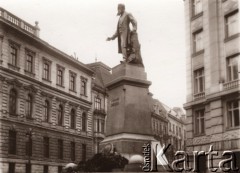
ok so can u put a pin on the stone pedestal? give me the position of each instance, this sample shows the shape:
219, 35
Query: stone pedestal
128, 124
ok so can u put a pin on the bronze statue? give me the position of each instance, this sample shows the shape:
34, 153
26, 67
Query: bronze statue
128, 44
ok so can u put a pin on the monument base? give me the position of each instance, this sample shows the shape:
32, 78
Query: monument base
127, 144
128, 124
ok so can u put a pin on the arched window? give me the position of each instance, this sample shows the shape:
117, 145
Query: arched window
46, 111
60, 115
84, 121
29, 106
13, 102
73, 124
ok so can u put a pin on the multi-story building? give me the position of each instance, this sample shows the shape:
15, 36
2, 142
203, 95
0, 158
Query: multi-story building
176, 129
100, 99
45, 102
159, 122
213, 49
168, 126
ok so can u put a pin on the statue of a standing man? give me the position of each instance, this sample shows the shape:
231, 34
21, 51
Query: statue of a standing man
123, 30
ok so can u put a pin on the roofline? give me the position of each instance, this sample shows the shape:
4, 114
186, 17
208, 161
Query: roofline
83, 66
99, 63
176, 118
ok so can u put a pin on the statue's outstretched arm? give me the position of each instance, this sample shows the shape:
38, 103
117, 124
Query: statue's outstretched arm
114, 35
133, 21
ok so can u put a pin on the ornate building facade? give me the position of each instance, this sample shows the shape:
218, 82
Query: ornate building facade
45, 102
168, 126
102, 76
212, 108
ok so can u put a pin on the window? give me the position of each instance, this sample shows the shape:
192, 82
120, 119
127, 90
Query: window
180, 132
155, 128
60, 77
60, 115
46, 147
46, 71
152, 123
60, 148
97, 103
232, 68
29, 62
13, 55
73, 119
45, 169
13, 102
29, 147
100, 125
199, 122
72, 151
233, 113
97, 147
199, 81
176, 144
96, 125
83, 86
11, 167
84, 121
60, 169
197, 7
231, 22
28, 168
72, 84
198, 41
29, 106
12, 143
84, 152
46, 111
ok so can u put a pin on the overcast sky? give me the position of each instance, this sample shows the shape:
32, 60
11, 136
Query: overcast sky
82, 26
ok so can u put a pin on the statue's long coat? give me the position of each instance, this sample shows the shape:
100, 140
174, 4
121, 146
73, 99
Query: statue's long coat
123, 28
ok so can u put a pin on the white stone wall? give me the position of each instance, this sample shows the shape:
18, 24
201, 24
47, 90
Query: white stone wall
214, 60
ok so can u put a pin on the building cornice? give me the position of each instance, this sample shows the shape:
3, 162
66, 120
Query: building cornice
44, 128
99, 89
175, 118
161, 117
44, 85
211, 97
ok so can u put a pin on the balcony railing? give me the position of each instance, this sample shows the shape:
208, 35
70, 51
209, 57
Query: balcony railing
99, 135
199, 95
10, 18
99, 111
231, 84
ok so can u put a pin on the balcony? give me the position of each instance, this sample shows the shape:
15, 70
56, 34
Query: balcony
198, 96
231, 85
14, 20
99, 112
99, 135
